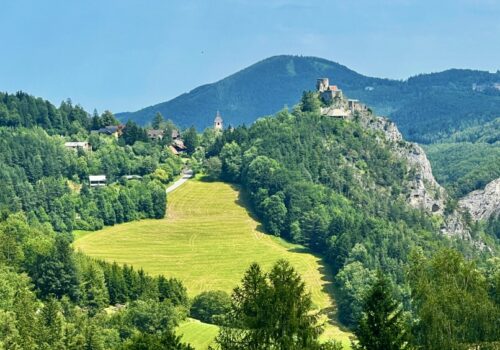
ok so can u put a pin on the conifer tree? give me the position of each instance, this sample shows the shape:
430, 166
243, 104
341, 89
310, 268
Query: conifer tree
270, 311
381, 326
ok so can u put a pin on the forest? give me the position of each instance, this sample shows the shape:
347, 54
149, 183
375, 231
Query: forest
331, 185
326, 183
50, 296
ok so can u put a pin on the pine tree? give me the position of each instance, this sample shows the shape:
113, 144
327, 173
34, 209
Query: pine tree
270, 311
157, 121
381, 326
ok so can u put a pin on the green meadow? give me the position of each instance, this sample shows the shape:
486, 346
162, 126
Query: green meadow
208, 239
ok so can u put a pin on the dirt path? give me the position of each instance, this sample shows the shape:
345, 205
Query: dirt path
186, 175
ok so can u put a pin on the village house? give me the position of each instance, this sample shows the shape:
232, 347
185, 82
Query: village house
83, 145
112, 130
178, 146
97, 180
155, 134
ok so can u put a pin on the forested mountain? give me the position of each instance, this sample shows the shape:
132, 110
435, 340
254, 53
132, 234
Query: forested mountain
426, 107
468, 159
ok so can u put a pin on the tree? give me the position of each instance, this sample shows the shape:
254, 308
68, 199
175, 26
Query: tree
133, 132
172, 289
55, 274
51, 325
191, 142
210, 306
452, 304
94, 294
157, 120
231, 158
274, 213
213, 168
381, 326
310, 102
270, 311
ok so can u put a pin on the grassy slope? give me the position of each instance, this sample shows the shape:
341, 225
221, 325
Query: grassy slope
208, 240
200, 335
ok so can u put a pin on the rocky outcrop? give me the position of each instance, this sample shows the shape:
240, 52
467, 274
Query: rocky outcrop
482, 204
424, 191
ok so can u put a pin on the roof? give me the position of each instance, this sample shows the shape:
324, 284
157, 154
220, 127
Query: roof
76, 144
132, 177
155, 132
179, 144
175, 133
334, 87
97, 178
174, 150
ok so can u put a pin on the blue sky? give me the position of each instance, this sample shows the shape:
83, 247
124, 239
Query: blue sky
127, 54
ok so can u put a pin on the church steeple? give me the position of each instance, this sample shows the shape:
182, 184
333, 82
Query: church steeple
218, 122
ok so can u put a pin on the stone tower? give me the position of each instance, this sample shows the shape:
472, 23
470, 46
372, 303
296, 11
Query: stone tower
218, 122
322, 84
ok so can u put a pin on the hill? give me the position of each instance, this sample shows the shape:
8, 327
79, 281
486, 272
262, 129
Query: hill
207, 240
425, 107
468, 159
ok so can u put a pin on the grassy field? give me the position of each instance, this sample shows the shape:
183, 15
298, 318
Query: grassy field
208, 240
200, 335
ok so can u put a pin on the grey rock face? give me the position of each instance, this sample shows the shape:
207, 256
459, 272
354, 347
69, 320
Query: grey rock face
482, 204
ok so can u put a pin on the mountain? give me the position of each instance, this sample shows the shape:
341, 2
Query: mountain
425, 107
468, 159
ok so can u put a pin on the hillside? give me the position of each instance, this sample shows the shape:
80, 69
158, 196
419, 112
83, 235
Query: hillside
467, 160
425, 107
207, 240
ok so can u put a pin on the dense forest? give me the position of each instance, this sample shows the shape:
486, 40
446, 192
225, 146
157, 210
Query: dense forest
333, 186
50, 296
49, 182
468, 159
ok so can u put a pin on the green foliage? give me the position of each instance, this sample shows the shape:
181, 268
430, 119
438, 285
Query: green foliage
310, 102
210, 306
231, 159
453, 306
191, 141
157, 121
270, 311
464, 167
381, 326
213, 168
133, 133
42, 178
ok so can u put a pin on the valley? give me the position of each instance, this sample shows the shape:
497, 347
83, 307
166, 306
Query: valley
208, 239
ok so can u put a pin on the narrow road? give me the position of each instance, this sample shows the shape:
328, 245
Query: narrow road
186, 175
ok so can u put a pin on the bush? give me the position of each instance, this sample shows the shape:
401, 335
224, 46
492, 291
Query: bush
209, 306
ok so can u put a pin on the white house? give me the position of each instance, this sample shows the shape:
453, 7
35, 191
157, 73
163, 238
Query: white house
78, 144
97, 180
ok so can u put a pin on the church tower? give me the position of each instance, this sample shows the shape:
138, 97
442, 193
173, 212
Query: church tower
218, 122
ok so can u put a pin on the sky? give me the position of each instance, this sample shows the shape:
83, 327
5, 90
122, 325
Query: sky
123, 55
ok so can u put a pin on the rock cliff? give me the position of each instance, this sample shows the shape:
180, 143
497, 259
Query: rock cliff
423, 191
482, 204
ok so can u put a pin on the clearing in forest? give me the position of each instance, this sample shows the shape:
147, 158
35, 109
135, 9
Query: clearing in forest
208, 240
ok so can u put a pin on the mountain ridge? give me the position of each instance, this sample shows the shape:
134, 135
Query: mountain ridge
425, 106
